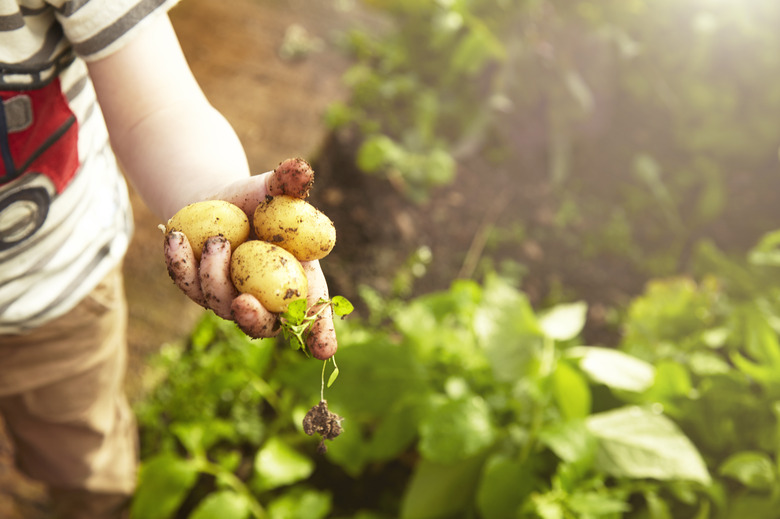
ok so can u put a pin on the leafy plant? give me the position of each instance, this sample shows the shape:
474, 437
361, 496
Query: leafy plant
645, 149
470, 403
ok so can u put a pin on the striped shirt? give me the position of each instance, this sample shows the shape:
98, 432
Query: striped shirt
65, 217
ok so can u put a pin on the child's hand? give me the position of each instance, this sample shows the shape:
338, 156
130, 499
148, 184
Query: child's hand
208, 282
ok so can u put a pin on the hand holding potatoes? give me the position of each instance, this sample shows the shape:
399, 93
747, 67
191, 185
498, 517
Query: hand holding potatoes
213, 257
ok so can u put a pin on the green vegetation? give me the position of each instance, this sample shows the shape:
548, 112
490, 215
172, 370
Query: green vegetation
468, 403
648, 121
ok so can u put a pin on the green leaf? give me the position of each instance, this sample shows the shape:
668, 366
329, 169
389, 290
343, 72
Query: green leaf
300, 504
277, 464
439, 167
614, 368
596, 504
224, 504
333, 376
547, 506
164, 482
753, 469
758, 372
507, 329
198, 437
565, 321
504, 486
671, 387
441, 490
456, 429
571, 392
391, 373
376, 152
296, 312
342, 306
571, 441
761, 341
706, 364
475, 49
636, 443
396, 430
767, 252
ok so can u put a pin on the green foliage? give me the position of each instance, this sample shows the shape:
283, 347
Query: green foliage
297, 321
646, 147
470, 403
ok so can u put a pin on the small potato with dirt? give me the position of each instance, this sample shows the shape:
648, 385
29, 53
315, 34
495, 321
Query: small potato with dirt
201, 220
296, 226
269, 273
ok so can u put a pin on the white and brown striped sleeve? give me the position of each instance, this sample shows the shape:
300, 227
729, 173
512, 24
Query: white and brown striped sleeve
96, 28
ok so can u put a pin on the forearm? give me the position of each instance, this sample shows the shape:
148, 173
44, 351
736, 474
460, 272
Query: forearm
173, 146
180, 154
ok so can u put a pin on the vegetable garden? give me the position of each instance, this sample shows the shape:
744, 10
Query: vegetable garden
557, 222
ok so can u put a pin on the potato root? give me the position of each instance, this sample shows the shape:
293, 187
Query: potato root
269, 273
201, 220
296, 226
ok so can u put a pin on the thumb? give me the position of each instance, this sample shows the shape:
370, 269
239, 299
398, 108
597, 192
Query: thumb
293, 177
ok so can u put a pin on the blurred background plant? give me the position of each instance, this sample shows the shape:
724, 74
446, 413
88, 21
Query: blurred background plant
647, 120
470, 403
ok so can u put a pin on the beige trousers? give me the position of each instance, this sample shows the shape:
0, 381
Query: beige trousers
62, 398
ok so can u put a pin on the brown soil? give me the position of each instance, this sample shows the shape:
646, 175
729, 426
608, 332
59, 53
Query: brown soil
320, 420
275, 105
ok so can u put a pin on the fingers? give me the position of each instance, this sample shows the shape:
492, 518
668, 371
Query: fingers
210, 286
209, 283
253, 318
182, 267
321, 341
293, 177
218, 290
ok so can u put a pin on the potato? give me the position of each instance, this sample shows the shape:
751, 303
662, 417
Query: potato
201, 220
269, 273
296, 226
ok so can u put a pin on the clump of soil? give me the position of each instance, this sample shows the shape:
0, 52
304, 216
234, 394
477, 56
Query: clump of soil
322, 421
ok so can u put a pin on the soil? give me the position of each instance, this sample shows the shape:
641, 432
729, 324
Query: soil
320, 420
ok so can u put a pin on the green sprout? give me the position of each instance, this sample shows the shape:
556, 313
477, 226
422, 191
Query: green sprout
298, 320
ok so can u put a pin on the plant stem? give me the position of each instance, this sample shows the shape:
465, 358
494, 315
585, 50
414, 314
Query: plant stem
322, 386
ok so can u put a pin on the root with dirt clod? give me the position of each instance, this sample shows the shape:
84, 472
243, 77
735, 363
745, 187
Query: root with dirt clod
321, 421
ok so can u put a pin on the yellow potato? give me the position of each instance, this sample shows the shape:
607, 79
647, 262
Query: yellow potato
296, 226
201, 220
269, 273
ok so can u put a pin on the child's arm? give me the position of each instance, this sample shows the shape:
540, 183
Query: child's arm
175, 148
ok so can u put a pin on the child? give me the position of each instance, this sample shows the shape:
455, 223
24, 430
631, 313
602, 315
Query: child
73, 75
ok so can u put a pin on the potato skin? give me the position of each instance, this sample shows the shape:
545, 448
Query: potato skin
296, 226
201, 220
293, 177
269, 273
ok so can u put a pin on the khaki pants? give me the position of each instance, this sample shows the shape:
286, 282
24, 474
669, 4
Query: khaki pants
61, 395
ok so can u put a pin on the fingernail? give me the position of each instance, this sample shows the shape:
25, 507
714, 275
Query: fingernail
215, 244
173, 241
